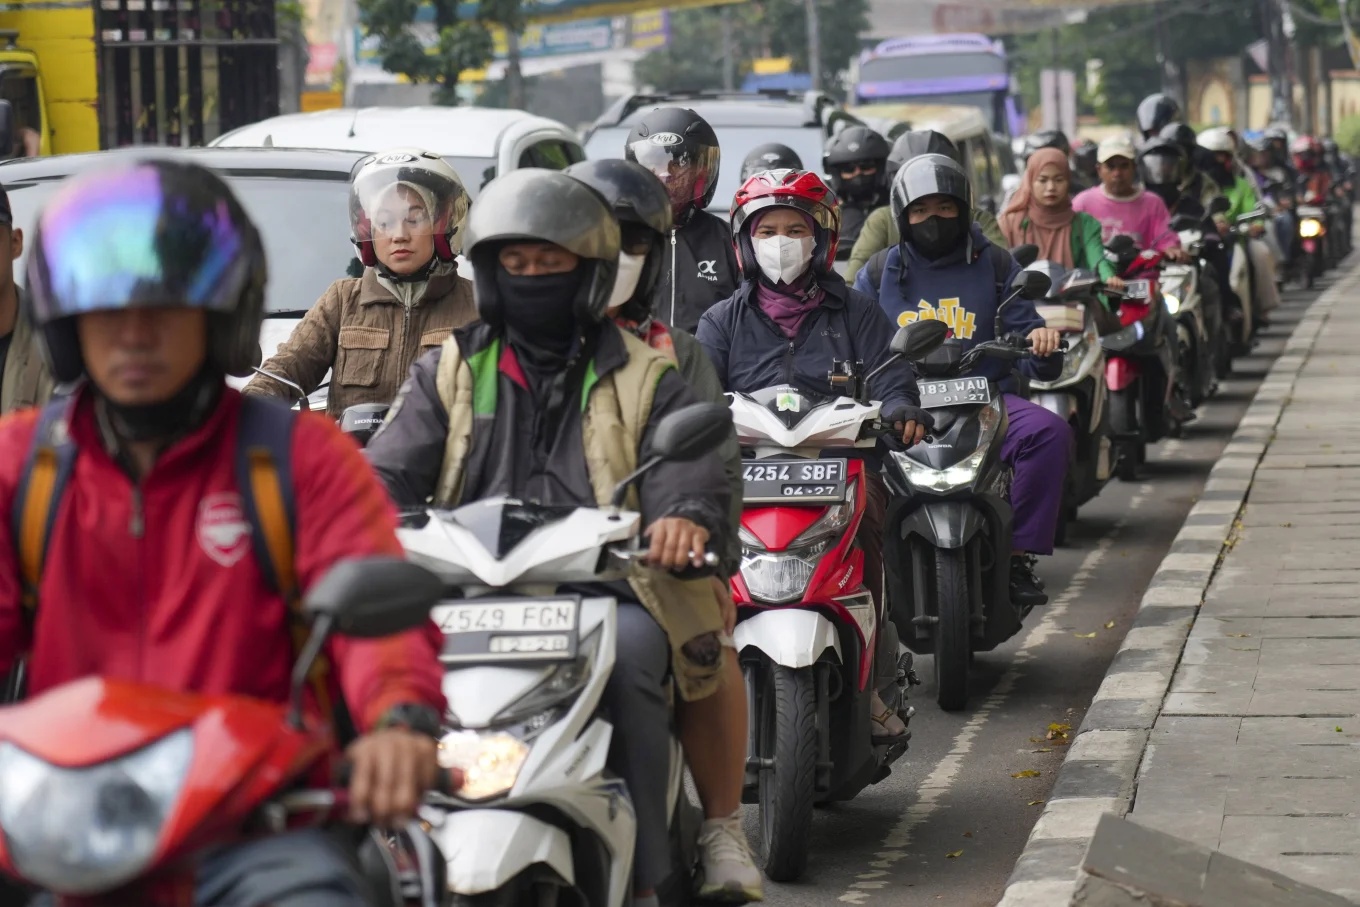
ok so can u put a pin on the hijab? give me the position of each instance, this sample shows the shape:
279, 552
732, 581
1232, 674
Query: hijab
1026, 221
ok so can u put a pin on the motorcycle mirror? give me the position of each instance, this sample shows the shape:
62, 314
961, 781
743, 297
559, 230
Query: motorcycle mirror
1220, 205
1122, 244
1031, 285
1185, 222
919, 339
685, 434
1025, 255
374, 596
362, 421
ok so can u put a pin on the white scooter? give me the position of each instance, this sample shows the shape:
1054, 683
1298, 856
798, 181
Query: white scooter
540, 820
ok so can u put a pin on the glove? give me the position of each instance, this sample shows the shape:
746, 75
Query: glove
904, 413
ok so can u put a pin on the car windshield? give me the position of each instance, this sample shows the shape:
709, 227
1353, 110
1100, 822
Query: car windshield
736, 142
304, 224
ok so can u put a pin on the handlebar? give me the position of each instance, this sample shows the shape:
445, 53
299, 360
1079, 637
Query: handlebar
322, 806
628, 556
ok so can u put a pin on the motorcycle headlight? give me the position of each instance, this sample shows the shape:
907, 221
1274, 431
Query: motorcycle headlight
84, 830
490, 761
1172, 302
963, 473
1310, 228
781, 576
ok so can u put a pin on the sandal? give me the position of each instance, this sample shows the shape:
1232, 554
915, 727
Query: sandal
886, 726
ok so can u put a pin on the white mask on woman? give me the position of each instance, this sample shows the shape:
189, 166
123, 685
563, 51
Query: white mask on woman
626, 281
783, 258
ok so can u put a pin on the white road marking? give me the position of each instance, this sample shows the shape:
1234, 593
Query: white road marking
932, 791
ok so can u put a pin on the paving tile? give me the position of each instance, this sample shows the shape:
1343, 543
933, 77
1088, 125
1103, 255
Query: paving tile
1196, 732
1314, 651
1262, 838
1313, 797
1221, 651
1303, 702
1213, 678
1302, 731
1286, 674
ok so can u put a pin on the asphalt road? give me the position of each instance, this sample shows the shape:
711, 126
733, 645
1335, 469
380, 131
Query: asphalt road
951, 820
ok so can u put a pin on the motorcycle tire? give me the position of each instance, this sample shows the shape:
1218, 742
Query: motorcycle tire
1124, 420
953, 630
786, 791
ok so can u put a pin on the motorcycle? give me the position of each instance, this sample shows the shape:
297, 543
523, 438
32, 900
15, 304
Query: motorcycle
1078, 395
1199, 331
111, 791
949, 520
807, 627
1241, 323
540, 819
1312, 221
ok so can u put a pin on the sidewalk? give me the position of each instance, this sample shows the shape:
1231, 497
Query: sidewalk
1231, 716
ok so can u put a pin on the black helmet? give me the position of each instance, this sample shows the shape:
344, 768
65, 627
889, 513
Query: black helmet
916, 143
539, 205
857, 144
147, 233
1047, 138
642, 206
1162, 165
670, 138
1155, 111
930, 174
1182, 135
1084, 157
770, 156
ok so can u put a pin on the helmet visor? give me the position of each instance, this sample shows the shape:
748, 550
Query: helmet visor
119, 243
394, 207
686, 171
1161, 169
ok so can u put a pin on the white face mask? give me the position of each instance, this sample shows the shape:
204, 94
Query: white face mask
630, 271
783, 257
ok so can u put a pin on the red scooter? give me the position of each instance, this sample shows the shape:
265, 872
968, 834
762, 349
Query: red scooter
110, 790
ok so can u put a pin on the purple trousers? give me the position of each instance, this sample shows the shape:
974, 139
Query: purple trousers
1038, 446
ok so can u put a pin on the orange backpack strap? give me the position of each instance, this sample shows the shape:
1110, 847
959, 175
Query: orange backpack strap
41, 486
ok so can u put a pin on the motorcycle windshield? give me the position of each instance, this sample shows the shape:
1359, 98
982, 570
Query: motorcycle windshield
498, 524
789, 404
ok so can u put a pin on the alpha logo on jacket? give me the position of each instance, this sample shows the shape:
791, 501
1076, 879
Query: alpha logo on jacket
960, 320
708, 270
222, 529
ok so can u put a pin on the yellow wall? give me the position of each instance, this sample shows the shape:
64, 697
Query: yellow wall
62, 36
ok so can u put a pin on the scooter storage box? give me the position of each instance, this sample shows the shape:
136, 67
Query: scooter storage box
1063, 317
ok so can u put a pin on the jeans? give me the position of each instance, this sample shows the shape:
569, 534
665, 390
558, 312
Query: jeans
1038, 446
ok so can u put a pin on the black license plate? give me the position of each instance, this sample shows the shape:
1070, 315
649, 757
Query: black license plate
490, 630
810, 481
955, 392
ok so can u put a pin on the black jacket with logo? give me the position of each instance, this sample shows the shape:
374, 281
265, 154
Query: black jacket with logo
701, 270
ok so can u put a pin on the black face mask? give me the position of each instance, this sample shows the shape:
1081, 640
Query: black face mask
540, 310
935, 237
862, 188
169, 419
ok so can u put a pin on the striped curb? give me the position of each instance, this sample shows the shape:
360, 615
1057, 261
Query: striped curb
1100, 772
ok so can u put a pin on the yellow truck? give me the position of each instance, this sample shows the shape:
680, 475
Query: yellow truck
83, 75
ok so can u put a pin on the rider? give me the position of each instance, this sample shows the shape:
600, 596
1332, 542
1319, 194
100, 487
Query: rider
681, 148
1239, 188
1196, 183
791, 320
1315, 183
148, 283
406, 209
945, 268
770, 156
24, 377
1054, 138
1084, 164
880, 230
563, 403
713, 729
856, 160
1154, 113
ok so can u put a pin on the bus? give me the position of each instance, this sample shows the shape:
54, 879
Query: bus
945, 70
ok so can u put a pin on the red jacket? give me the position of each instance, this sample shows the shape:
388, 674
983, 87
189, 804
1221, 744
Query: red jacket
184, 604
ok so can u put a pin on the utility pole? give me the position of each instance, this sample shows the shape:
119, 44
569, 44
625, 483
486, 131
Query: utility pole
1171, 79
1272, 27
514, 75
729, 62
814, 35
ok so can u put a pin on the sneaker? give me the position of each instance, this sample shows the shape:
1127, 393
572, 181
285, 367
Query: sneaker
727, 871
1027, 590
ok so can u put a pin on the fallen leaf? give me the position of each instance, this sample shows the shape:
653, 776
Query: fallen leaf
1027, 773
1338, 729
1084, 635
1287, 525
1036, 739
1058, 731
1035, 803
967, 834
1239, 635
1041, 751
955, 855
1110, 625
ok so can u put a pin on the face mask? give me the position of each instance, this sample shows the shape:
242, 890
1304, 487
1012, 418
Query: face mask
783, 258
630, 272
935, 237
861, 188
540, 309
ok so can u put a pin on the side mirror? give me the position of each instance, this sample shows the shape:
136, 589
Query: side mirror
7, 149
919, 339
1122, 244
362, 421
1185, 222
689, 433
374, 596
1220, 205
1031, 285
1026, 254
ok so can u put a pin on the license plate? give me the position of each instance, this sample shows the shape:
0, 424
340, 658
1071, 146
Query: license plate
1138, 289
955, 392
807, 481
494, 630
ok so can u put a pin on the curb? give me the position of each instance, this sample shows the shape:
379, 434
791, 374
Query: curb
1100, 773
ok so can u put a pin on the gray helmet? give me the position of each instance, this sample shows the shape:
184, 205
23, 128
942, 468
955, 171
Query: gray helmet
538, 205
930, 174
918, 142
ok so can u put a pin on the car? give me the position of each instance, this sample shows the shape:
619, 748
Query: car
742, 120
479, 142
298, 199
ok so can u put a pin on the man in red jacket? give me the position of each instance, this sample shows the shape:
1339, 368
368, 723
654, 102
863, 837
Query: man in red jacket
148, 280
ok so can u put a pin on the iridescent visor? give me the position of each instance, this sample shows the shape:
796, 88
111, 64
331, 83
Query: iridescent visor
111, 244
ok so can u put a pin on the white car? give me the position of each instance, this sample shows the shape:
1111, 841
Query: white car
480, 143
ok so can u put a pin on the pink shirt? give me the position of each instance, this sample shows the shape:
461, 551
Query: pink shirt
1144, 217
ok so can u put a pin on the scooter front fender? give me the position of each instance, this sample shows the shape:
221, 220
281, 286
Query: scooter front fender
793, 637
487, 848
1064, 406
944, 524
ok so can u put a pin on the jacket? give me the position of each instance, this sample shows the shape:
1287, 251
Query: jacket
367, 337
1087, 247
961, 289
702, 269
1243, 197
156, 581
880, 232
26, 381
750, 351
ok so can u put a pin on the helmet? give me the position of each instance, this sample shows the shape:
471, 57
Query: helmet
916, 143
930, 174
1330, 147
638, 200
1182, 135
770, 156
1307, 152
1162, 165
797, 189
669, 139
421, 172
1218, 140
147, 233
1155, 111
1047, 138
1084, 156
855, 144
540, 205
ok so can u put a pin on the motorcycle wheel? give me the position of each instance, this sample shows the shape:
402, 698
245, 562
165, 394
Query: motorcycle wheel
1124, 420
953, 633
788, 737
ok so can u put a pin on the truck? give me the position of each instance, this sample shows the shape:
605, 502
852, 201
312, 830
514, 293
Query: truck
86, 75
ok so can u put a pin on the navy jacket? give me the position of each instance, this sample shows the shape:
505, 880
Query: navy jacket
961, 290
750, 352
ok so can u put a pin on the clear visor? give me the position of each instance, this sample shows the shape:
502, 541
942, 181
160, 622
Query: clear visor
1161, 169
397, 208
686, 174
821, 215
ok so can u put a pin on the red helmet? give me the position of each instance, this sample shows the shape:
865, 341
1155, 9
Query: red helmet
798, 189
1307, 152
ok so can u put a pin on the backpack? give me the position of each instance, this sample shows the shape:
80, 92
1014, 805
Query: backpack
1001, 267
263, 473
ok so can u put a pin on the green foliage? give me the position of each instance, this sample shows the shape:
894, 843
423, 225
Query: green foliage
1348, 135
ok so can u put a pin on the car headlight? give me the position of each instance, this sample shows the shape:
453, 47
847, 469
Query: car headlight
1310, 228
1172, 301
84, 830
490, 761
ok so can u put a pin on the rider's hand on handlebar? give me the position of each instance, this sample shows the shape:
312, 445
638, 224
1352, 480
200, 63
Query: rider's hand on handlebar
677, 543
913, 422
391, 769
1044, 341
1115, 283
1177, 255
1256, 229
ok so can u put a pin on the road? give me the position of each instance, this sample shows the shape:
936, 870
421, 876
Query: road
951, 820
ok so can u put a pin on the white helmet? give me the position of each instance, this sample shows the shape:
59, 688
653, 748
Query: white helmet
376, 184
1219, 140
